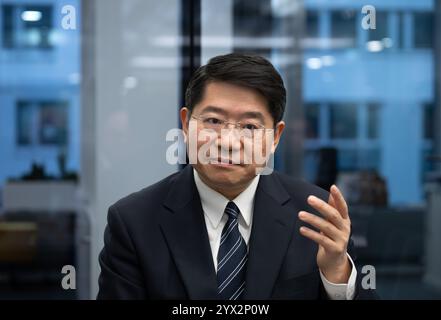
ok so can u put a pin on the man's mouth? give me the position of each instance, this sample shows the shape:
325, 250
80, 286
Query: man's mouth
224, 162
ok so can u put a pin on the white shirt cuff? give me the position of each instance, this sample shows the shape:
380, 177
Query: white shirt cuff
341, 291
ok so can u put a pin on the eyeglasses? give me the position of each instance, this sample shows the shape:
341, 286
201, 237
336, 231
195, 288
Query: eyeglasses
217, 124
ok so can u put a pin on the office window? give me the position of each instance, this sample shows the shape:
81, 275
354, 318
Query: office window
401, 30
423, 30
358, 159
347, 159
26, 26
252, 18
312, 117
428, 163
41, 123
312, 24
7, 25
428, 121
373, 118
343, 120
25, 124
310, 164
369, 159
343, 28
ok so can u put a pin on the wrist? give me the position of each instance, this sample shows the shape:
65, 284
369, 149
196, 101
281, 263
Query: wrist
339, 273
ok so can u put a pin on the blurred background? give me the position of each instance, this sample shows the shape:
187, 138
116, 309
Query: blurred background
89, 89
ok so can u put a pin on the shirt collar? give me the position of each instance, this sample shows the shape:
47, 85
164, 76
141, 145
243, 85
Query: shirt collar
214, 203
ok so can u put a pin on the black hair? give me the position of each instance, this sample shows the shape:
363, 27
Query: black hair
246, 70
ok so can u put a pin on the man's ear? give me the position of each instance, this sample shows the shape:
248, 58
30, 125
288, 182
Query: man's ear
280, 126
184, 114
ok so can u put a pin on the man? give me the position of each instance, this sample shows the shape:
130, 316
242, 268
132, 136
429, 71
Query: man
219, 229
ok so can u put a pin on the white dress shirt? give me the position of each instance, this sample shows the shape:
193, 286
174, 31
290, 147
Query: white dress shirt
213, 205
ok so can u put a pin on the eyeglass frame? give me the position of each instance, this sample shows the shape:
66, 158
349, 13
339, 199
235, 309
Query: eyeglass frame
236, 124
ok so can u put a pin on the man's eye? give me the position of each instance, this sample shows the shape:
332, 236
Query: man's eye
250, 126
212, 121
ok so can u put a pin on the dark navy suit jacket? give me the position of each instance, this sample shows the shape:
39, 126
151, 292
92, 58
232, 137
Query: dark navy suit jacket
156, 244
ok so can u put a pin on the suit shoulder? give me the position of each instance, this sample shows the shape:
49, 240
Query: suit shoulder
300, 187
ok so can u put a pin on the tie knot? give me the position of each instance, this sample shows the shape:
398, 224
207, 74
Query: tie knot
232, 210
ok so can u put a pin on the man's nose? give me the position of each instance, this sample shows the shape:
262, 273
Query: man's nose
230, 140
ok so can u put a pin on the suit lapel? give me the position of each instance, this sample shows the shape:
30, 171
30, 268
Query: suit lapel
272, 230
186, 234
183, 224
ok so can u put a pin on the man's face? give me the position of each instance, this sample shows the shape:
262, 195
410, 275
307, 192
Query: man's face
227, 102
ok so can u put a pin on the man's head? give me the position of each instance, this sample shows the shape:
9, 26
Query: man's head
250, 71
234, 88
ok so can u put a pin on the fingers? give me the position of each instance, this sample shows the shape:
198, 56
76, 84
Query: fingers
335, 226
328, 211
320, 239
339, 201
331, 201
323, 225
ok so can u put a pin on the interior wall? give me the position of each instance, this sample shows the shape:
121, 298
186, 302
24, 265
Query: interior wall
130, 100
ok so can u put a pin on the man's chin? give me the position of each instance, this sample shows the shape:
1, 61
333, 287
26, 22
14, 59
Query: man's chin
223, 173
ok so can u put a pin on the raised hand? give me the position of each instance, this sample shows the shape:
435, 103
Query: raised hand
333, 238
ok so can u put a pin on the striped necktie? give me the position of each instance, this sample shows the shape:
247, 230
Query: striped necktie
231, 258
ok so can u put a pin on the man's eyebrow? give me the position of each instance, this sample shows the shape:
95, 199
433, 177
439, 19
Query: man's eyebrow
253, 114
214, 109
248, 114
